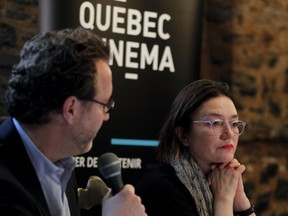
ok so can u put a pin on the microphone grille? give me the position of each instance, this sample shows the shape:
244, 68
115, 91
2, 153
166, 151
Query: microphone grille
109, 165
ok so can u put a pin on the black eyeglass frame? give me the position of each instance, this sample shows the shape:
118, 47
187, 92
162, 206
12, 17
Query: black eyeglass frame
107, 107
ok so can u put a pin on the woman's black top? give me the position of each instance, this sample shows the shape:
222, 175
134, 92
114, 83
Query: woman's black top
163, 194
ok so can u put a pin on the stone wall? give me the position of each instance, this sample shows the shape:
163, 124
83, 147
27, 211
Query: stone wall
244, 43
18, 22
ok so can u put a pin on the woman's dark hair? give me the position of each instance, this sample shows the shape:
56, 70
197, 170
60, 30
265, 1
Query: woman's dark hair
181, 112
52, 67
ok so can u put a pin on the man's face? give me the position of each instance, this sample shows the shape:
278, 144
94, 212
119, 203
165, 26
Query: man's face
93, 114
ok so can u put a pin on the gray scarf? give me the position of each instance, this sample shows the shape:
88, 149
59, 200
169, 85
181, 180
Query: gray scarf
190, 174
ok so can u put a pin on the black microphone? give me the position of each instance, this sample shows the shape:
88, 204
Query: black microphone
93, 194
110, 168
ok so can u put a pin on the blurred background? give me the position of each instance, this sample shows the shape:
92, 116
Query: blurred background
245, 44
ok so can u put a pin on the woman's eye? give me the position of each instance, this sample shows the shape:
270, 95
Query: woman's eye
217, 123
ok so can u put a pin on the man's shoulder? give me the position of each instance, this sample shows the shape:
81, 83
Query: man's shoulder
7, 129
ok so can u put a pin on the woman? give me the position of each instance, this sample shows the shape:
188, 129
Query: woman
198, 174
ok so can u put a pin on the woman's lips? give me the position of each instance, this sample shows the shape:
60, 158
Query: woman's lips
227, 146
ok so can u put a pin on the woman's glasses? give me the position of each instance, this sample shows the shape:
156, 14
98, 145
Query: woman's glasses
219, 126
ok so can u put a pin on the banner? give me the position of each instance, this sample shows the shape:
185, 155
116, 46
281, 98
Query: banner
155, 48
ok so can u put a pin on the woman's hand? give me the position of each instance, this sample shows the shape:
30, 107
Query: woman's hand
229, 174
224, 179
241, 202
224, 183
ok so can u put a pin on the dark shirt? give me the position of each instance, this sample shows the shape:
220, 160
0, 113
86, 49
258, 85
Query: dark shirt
163, 194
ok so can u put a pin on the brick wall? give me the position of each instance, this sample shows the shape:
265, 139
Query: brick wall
244, 43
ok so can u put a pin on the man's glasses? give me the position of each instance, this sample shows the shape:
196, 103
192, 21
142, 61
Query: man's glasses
218, 126
107, 107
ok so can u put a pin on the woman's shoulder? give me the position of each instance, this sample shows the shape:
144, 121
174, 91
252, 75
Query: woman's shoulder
161, 179
162, 193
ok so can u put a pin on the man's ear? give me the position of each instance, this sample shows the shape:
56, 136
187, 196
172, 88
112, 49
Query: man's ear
181, 135
69, 108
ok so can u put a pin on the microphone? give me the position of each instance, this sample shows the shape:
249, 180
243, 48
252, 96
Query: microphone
95, 191
110, 168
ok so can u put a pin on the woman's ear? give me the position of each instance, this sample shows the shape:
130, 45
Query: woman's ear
182, 136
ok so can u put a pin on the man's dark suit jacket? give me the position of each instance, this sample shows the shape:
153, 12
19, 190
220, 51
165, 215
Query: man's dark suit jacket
20, 189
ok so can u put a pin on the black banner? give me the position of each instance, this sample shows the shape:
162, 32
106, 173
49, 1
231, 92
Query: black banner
156, 52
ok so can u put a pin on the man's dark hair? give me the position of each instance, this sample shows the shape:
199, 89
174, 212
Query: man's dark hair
52, 67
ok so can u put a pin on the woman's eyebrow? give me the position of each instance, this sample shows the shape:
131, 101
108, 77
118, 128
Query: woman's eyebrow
217, 115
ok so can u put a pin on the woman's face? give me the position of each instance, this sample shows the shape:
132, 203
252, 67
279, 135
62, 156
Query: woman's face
208, 148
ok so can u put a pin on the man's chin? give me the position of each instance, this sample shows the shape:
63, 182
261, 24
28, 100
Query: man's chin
86, 148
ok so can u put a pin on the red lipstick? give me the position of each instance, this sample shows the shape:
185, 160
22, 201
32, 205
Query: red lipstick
227, 146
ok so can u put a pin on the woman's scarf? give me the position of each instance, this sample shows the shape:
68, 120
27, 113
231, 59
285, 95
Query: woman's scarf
190, 174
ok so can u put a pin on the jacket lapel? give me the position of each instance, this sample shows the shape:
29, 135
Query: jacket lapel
18, 162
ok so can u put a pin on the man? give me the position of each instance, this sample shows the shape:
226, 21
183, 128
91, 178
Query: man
58, 96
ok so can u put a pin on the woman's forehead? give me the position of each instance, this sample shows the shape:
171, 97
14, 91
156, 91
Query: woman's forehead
221, 106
